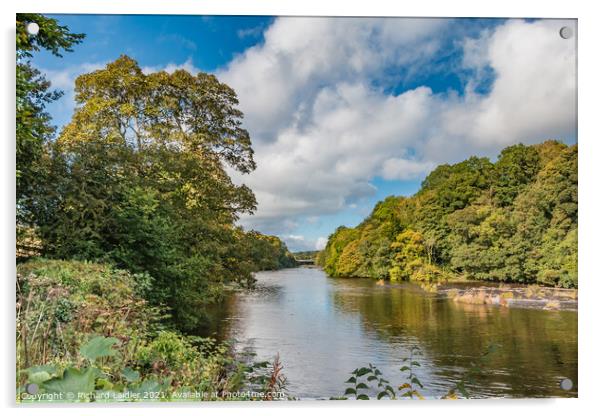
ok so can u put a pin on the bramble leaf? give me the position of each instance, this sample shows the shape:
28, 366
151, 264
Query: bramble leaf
98, 347
130, 375
74, 381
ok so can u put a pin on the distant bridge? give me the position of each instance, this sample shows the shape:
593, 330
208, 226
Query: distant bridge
305, 261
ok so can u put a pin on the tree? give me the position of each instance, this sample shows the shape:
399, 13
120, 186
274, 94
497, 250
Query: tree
139, 179
515, 168
33, 94
513, 220
410, 254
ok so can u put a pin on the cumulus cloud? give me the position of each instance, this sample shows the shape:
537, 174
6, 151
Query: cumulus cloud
321, 243
297, 243
299, 56
325, 125
171, 67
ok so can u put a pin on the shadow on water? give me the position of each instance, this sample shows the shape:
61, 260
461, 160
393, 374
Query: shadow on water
323, 328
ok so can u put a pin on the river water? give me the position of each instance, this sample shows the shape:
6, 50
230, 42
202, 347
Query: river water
323, 328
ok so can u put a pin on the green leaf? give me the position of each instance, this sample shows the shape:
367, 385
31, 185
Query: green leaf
104, 384
98, 347
38, 377
50, 369
370, 378
381, 395
405, 368
130, 375
150, 386
363, 371
262, 364
74, 381
415, 380
350, 391
462, 389
361, 386
351, 380
362, 397
416, 363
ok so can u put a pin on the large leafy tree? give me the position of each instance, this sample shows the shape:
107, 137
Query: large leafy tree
138, 178
33, 93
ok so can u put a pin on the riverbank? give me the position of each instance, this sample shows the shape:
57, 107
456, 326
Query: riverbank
509, 295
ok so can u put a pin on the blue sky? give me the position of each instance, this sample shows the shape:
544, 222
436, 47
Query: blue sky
344, 112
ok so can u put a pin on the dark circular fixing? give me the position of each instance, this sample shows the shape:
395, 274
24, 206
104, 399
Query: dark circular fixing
566, 384
566, 32
32, 388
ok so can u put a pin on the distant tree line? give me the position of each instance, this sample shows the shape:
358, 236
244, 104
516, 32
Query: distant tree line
514, 220
306, 255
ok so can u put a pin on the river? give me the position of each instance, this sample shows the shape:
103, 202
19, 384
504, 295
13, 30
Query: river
323, 328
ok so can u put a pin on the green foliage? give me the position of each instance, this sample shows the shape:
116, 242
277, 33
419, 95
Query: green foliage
362, 378
138, 179
135, 192
514, 220
33, 93
370, 379
72, 382
114, 342
334, 248
307, 255
515, 168
266, 252
410, 254
61, 304
214, 374
98, 347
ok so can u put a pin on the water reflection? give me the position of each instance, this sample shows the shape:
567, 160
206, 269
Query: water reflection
323, 328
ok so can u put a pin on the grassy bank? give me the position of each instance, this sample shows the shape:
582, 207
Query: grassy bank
84, 331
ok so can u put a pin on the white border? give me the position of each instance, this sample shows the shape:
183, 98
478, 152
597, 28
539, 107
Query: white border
589, 199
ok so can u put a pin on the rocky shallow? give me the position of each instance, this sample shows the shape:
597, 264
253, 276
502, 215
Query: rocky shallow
534, 297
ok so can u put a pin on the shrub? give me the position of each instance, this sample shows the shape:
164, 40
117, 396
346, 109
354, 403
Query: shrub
60, 304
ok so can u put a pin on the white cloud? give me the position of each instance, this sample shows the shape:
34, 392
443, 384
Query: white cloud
324, 126
323, 130
321, 243
301, 55
300, 243
171, 67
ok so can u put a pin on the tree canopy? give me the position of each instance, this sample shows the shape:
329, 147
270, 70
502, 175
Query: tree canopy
514, 220
33, 93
